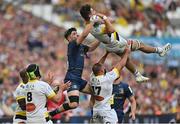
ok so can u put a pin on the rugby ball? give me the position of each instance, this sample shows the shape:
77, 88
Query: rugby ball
95, 18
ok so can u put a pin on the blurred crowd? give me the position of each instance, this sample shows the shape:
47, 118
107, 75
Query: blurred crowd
131, 17
27, 39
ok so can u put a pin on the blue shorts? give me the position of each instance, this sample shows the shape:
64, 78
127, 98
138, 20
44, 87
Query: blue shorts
77, 83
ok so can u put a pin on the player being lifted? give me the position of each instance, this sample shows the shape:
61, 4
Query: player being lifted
114, 42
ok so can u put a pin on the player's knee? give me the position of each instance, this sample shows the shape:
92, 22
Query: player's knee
73, 105
141, 45
74, 101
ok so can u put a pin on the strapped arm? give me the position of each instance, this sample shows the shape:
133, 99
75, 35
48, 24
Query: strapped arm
85, 32
109, 26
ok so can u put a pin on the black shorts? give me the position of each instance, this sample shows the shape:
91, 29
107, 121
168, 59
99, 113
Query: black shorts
77, 83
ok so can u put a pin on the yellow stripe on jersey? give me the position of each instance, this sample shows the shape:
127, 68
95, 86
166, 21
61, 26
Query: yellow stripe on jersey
46, 114
23, 113
111, 100
102, 30
32, 81
51, 95
115, 36
20, 97
116, 71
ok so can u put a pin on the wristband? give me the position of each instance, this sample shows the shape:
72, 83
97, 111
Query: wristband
104, 17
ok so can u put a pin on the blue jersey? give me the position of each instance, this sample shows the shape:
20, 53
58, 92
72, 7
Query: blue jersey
76, 54
121, 91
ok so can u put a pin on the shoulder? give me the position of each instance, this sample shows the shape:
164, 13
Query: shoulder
43, 83
20, 86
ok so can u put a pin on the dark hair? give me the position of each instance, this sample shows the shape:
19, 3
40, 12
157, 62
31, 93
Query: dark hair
23, 75
33, 71
68, 32
96, 68
85, 11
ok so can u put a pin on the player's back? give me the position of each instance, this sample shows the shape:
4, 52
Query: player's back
36, 98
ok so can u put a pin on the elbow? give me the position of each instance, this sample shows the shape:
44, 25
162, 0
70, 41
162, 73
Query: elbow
133, 101
112, 30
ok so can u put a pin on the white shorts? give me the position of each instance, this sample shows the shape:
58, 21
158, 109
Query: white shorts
104, 116
118, 46
39, 121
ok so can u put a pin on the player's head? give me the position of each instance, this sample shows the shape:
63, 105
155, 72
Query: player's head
86, 12
33, 72
98, 69
71, 34
24, 76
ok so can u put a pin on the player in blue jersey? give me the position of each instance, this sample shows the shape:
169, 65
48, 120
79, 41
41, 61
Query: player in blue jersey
75, 53
121, 92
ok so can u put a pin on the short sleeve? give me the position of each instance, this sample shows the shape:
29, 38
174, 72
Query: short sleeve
113, 75
19, 93
49, 91
128, 91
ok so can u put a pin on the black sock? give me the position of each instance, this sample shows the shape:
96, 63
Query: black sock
54, 112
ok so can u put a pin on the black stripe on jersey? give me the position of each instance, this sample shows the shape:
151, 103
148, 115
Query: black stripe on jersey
117, 36
20, 117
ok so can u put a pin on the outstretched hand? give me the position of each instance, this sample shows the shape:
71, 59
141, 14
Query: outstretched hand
65, 86
50, 78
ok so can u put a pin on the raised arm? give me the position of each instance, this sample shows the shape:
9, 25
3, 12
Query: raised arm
102, 60
85, 32
62, 87
109, 26
93, 46
123, 60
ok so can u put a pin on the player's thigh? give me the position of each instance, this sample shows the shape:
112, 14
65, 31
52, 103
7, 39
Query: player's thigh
74, 88
87, 89
134, 44
73, 93
97, 118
